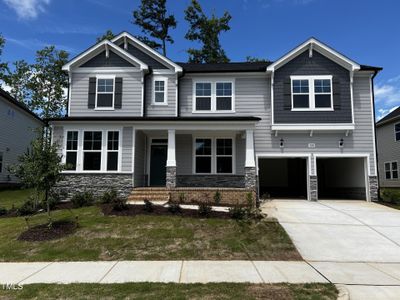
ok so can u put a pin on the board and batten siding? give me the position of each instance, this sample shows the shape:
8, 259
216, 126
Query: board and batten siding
388, 151
131, 96
161, 110
17, 130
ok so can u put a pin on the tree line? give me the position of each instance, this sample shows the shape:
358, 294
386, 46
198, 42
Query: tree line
42, 85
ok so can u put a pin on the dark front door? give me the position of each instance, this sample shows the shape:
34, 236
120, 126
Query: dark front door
158, 162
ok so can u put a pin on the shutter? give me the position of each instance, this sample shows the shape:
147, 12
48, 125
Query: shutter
118, 93
287, 94
92, 92
337, 101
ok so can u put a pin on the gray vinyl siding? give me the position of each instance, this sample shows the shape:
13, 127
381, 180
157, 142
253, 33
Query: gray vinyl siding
147, 59
126, 154
16, 132
161, 110
388, 151
140, 159
131, 96
101, 61
316, 65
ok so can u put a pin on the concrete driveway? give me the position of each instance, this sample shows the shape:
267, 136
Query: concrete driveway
355, 243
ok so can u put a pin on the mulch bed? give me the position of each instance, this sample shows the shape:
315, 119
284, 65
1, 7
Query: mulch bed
42, 232
136, 210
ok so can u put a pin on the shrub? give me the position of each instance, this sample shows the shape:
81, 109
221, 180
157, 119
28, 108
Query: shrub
54, 199
119, 204
148, 206
82, 199
29, 207
217, 197
237, 212
182, 198
3, 211
174, 208
390, 196
204, 209
109, 196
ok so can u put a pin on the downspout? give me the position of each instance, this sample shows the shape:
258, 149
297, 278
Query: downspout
145, 90
178, 97
376, 142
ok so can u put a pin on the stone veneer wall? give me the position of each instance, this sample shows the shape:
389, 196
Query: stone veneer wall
313, 188
171, 177
373, 188
223, 181
250, 178
95, 183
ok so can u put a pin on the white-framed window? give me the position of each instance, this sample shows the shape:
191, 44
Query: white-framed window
397, 132
213, 155
92, 149
215, 96
71, 150
105, 92
160, 86
391, 170
112, 150
1, 162
312, 93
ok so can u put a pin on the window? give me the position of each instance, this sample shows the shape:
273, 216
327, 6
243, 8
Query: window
312, 93
92, 141
224, 156
160, 88
105, 93
397, 131
213, 156
391, 171
216, 96
112, 150
71, 150
1, 162
203, 156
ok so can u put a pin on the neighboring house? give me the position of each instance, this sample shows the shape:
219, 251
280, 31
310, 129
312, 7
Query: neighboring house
388, 144
17, 129
300, 127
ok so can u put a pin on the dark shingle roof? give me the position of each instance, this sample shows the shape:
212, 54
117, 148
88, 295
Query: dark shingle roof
12, 100
370, 68
225, 67
394, 115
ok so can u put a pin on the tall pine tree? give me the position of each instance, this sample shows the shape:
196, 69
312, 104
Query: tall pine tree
18, 79
108, 35
206, 31
153, 19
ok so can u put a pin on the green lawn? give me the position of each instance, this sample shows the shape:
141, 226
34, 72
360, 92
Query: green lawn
8, 198
175, 291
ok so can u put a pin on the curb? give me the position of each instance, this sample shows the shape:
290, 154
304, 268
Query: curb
343, 292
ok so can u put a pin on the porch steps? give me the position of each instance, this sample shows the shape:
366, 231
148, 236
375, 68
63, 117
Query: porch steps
149, 193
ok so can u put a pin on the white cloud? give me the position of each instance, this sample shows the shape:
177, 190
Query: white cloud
387, 96
35, 44
28, 9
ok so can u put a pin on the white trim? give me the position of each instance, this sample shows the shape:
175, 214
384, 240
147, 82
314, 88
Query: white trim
214, 155
320, 47
374, 172
213, 82
105, 43
314, 127
176, 83
69, 92
272, 97
148, 50
171, 151
142, 82
99, 77
311, 92
153, 91
250, 162
106, 70
351, 95
133, 149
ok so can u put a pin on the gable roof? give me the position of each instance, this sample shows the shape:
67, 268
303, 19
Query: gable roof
394, 115
225, 67
325, 50
99, 47
147, 49
12, 100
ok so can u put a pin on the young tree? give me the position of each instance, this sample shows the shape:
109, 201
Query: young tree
18, 80
108, 35
3, 65
40, 166
206, 31
48, 82
152, 18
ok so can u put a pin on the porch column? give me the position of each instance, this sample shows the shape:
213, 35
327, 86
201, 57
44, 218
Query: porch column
171, 160
250, 164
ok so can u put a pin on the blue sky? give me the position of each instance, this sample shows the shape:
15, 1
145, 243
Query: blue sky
365, 30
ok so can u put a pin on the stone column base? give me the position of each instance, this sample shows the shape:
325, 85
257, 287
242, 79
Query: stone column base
313, 188
250, 180
171, 177
373, 188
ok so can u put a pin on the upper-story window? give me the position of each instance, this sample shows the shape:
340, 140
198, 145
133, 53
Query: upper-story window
397, 131
215, 96
105, 93
160, 91
391, 171
312, 93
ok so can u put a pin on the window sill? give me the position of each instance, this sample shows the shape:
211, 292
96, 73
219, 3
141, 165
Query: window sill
213, 112
104, 109
159, 104
309, 109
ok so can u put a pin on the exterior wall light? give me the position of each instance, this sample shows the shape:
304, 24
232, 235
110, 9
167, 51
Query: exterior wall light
281, 143
341, 143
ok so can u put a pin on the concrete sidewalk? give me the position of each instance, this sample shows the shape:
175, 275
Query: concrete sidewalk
159, 271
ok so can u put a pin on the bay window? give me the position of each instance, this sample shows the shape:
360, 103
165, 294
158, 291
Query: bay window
215, 96
92, 141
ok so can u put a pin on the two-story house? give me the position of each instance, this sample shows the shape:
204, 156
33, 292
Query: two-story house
388, 141
299, 127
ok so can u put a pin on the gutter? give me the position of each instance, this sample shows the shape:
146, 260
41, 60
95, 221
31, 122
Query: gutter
145, 90
178, 97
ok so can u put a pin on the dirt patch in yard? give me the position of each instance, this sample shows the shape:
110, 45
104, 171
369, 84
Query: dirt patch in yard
43, 232
158, 210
